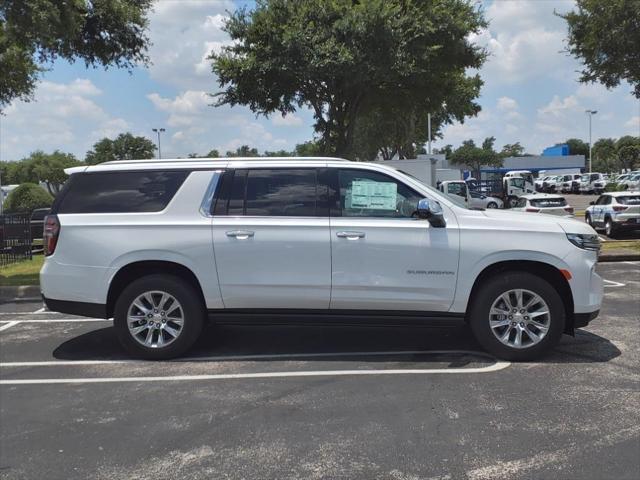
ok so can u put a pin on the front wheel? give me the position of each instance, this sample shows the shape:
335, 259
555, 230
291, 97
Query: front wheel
610, 228
492, 205
587, 219
517, 316
158, 317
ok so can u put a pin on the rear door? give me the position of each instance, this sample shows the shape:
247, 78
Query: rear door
271, 239
382, 257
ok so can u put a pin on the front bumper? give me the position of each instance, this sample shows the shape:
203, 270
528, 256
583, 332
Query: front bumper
583, 319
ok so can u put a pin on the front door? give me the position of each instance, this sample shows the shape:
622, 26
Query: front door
382, 257
271, 239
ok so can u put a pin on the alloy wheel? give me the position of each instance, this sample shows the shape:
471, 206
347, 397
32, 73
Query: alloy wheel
155, 319
519, 318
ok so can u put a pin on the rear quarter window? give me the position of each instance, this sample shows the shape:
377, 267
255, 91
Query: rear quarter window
629, 200
548, 202
121, 192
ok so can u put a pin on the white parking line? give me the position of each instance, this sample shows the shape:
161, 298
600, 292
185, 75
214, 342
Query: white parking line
62, 320
8, 325
225, 376
611, 283
499, 365
239, 358
42, 310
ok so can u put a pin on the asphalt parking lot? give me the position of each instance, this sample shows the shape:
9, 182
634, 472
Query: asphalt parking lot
321, 402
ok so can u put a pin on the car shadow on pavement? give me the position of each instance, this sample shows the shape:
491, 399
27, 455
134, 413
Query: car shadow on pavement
344, 341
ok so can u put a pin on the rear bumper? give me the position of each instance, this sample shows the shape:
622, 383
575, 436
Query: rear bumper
84, 309
583, 319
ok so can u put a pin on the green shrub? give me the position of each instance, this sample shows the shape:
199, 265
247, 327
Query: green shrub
26, 198
614, 187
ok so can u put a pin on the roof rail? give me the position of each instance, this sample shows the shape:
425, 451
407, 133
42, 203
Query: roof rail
223, 159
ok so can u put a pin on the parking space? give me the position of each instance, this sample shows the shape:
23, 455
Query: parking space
320, 402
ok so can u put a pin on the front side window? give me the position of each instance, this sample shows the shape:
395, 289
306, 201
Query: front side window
121, 192
372, 194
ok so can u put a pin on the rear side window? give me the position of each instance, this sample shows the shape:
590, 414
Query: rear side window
277, 192
548, 202
629, 200
121, 192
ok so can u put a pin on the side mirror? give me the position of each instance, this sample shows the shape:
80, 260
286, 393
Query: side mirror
592, 203
432, 211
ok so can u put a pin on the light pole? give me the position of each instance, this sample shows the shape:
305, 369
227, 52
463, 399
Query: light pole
591, 113
159, 131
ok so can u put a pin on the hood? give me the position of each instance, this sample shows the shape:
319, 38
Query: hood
510, 220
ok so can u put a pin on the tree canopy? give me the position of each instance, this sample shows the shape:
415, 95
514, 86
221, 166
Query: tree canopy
33, 33
124, 147
474, 157
345, 59
26, 198
47, 168
605, 36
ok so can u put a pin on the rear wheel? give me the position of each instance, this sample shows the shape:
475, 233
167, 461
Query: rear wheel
587, 218
610, 228
517, 316
158, 317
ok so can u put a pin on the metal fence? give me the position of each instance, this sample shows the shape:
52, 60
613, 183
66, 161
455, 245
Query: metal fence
15, 238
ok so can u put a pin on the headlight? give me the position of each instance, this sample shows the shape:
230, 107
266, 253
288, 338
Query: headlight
586, 241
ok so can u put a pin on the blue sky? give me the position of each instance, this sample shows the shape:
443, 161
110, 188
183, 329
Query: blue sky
531, 93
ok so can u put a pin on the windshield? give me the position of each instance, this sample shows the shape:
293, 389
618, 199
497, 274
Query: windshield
585, 178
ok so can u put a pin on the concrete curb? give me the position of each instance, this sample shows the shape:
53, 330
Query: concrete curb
619, 257
20, 292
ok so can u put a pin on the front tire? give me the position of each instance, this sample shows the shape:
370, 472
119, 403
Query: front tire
492, 205
610, 228
517, 316
158, 317
587, 218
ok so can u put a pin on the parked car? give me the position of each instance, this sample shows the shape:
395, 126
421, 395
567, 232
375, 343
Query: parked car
480, 200
570, 183
160, 245
549, 185
615, 212
539, 181
632, 182
36, 222
544, 203
593, 183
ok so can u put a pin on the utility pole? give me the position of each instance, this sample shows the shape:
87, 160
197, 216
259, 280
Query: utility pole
591, 113
159, 131
429, 130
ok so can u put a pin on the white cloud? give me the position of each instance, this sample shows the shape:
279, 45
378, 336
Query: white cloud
506, 104
183, 35
63, 116
289, 120
633, 124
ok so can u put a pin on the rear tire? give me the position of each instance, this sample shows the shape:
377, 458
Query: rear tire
143, 303
587, 219
610, 228
502, 340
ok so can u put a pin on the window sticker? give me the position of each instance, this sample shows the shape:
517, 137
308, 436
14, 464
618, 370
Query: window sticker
372, 195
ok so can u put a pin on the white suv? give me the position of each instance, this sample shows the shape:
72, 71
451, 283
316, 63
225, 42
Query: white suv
162, 245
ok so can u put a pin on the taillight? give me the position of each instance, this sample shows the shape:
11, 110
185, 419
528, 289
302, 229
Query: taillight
50, 234
533, 210
619, 208
568, 209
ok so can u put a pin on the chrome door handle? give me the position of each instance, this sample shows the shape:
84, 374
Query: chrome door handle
240, 234
350, 235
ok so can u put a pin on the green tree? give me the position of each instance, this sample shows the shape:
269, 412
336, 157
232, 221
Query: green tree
308, 149
125, 147
578, 147
447, 150
605, 156
512, 150
26, 198
49, 168
33, 33
628, 149
605, 35
474, 157
213, 154
243, 151
343, 58
278, 153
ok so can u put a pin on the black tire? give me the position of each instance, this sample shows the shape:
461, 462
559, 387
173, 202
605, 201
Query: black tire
492, 205
587, 219
610, 228
490, 290
193, 310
